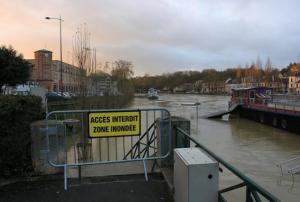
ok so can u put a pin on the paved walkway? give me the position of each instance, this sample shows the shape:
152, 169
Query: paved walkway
116, 188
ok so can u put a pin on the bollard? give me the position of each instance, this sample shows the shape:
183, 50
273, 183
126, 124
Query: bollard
178, 140
39, 146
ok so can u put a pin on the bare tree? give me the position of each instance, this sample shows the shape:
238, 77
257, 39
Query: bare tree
122, 72
247, 65
123, 69
238, 73
81, 51
258, 63
106, 67
268, 66
94, 61
82, 56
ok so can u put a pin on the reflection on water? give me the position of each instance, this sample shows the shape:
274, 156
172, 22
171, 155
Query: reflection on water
253, 148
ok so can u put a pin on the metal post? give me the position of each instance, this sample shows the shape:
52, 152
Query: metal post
65, 177
147, 126
66, 159
60, 41
60, 83
145, 170
248, 194
197, 108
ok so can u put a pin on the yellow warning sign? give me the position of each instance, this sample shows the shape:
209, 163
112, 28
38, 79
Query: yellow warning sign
114, 124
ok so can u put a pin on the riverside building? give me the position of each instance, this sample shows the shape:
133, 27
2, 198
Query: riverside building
46, 72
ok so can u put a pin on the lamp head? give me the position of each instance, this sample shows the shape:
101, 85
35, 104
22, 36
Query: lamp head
47, 18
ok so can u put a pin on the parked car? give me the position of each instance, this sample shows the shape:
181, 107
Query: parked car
55, 96
67, 95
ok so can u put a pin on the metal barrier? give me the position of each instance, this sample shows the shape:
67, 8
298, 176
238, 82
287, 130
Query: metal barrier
292, 165
76, 148
252, 189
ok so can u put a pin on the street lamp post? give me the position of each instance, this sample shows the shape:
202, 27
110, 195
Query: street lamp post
60, 83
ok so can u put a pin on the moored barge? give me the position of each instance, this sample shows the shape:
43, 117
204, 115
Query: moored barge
261, 105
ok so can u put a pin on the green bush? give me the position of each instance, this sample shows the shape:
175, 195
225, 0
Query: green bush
16, 114
107, 102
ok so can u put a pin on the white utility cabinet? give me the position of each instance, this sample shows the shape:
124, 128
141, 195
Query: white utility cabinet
196, 176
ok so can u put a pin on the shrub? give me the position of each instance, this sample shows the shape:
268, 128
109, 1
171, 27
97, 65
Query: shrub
92, 102
16, 114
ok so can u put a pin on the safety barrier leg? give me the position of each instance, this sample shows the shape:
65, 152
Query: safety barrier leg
145, 170
65, 177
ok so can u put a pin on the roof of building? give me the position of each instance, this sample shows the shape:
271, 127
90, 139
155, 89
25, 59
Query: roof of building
43, 50
250, 88
57, 62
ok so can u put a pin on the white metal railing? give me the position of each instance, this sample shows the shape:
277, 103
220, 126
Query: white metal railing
290, 166
73, 147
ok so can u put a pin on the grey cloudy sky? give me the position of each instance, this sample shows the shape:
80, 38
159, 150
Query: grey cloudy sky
161, 36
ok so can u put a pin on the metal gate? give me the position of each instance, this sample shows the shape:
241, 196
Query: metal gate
72, 143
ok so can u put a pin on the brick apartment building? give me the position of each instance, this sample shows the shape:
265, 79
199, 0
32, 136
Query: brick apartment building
46, 72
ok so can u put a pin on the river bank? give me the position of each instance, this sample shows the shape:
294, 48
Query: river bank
180, 93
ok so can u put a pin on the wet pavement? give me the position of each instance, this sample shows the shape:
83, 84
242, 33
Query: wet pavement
112, 188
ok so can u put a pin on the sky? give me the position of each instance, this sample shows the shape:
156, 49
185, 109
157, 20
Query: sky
159, 36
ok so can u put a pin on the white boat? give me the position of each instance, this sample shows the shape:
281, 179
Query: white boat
152, 94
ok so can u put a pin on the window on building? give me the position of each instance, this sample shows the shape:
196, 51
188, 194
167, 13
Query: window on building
55, 87
252, 94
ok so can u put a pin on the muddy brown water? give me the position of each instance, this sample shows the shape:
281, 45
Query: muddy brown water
253, 148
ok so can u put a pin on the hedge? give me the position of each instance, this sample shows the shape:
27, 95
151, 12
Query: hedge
16, 114
92, 102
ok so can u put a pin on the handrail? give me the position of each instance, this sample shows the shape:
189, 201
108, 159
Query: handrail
249, 182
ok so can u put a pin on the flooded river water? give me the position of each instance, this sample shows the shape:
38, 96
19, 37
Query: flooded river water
253, 148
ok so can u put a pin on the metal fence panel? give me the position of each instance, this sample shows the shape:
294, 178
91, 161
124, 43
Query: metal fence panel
75, 148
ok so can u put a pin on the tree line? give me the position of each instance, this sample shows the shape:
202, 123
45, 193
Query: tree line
249, 73
16, 70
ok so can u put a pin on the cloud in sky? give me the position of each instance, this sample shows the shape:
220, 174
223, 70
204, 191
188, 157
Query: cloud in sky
163, 35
